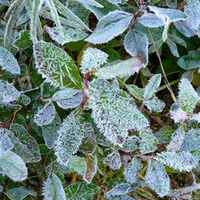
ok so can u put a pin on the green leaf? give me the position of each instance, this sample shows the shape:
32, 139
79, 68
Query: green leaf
13, 166
190, 61
173, 48
113, 116
81, 191
110, 26
70, 136
136, 44
68, 98
45, 115
53, 189
50, 133
148, 141
187, 96
120, 189
91, 168
120, 197
24, 144
8, 92
120, 69
113, 160
152, 86
92, 59
131, 144
135, 91
5, 143
23, 41
164, 134
19, 193
182, 161
8, 61
157, 178
131, 171
60, 70
90, 2
155, 104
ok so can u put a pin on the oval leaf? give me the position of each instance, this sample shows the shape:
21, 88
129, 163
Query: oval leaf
110, 26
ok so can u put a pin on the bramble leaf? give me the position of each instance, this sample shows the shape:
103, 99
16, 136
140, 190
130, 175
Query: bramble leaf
157, 178
131, 144
113, 160
53, 189
155, 104
8, 62
120, 189
13, 166
110, 26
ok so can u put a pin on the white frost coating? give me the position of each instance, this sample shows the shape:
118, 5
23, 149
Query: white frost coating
70, 136
90, 2
113, 160
152, 86
45, 115
122, 68
92, 59
182, 161
136, 44
5, 143
187, 96
192, 11
113, 116
110, 26
53, 189
131, 171
8, 92
120, 189
155, 104
8, 62
157, 178
68, 98
131, 144
13, 166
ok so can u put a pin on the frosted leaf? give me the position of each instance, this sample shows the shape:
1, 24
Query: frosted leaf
8, 62
92, 59
152, 86
148, 141
6, 2
177, 139
113, 116
24, 100
50, 133
91, 168
110, 26
70, 136
187, 96
196, 117
89, 143
155, 104
192, 11
5, 143
136, 44
173, 48
24, 144
53, 189
157, 178
77, 164
56, 65
45, 115
19, 193
182, 161
71, 34
13, 166
191, 141
131, 171
122, 68
184, 28
131, 144
68, 98
177, 114
135, 91
8, 92
113, 160
115, 1
164, 134
81, 191
90, 2
120, 189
